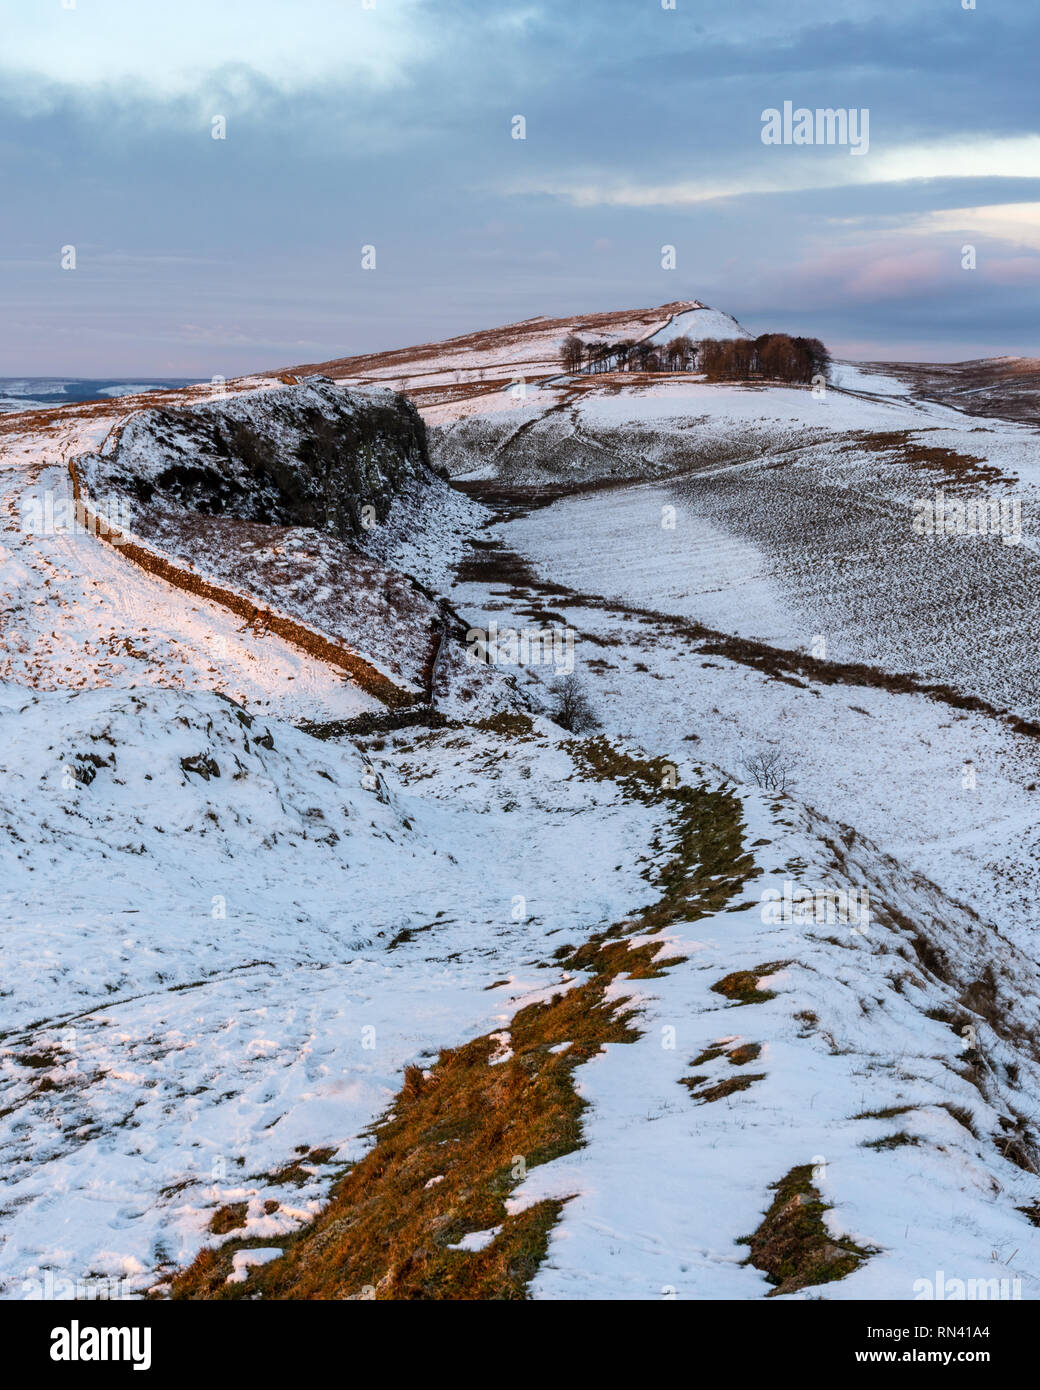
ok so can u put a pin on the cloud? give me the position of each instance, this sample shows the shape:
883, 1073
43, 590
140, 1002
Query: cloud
893, 274
803, 169
1015, 223
391, 125
163, 45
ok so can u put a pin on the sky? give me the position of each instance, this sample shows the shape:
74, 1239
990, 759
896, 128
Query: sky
392, 124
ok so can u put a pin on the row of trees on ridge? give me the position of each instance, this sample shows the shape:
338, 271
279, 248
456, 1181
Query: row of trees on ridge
770, 357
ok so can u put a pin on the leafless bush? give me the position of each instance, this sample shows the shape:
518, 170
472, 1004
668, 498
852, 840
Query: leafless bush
768, 769
571, 707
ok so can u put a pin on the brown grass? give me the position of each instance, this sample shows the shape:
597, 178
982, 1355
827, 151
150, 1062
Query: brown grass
741, 986
456, 1143
727, 1087
501, 341
231, 1217
957, 470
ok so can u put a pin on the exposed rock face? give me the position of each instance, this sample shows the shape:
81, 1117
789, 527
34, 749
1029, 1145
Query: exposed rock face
306, 455
254, 502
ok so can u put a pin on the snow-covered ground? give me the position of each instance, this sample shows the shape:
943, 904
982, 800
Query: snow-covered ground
806, 542
852, 1079
225, 939
639, 545
198, 974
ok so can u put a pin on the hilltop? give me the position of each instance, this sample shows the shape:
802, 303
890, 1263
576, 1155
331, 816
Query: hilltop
477, 365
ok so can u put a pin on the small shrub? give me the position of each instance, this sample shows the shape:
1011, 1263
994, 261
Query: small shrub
768, 770
571, 707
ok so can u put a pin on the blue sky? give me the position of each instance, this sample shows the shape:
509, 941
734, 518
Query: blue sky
390, 125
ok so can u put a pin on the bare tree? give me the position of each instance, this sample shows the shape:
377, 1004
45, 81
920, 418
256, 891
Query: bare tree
571, 707
599, 355
677, 353
646, 357
572, 353
768, 769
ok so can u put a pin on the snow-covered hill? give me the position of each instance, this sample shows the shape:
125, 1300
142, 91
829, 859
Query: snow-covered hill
699, 323
553, 962
476, 367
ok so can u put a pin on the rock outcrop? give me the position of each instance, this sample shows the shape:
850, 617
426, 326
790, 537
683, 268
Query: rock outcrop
311, 454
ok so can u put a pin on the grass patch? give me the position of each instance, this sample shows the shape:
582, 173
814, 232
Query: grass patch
887, 1114
710, 863
39, 1060
1017, 1143
473, 1127
730, 1086
792, 1245
893, 1141
741, 986
962, 1115
508, 725
297, 1172
407, 934
228, 1218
